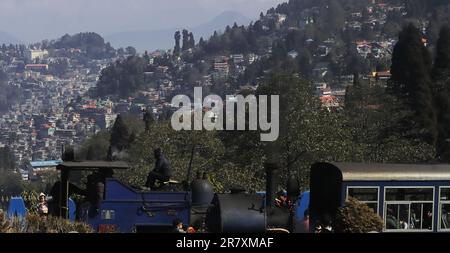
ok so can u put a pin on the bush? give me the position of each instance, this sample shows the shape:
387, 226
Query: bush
31, 199
37, 224
4, 223
357, 217
233, 176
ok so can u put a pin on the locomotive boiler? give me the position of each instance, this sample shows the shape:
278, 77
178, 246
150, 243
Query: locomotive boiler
254, 213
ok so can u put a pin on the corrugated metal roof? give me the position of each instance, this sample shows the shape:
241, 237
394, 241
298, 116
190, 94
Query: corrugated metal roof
393, 172
52, 163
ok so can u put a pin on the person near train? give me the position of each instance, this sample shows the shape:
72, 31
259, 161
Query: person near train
42, 205
161, 173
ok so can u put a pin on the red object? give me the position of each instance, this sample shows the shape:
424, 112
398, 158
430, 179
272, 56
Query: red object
107, 228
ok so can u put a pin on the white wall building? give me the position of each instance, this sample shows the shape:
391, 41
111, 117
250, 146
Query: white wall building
31, 54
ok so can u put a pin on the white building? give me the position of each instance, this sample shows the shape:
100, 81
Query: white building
31, 54
238, 58
293, 54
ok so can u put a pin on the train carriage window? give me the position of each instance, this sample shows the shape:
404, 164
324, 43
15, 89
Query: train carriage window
409, 209
367, 195
444, 220
409, 194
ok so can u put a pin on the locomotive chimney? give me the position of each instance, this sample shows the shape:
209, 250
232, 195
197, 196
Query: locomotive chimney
271, 183
68, 154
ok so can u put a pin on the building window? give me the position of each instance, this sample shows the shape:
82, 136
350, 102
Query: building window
444, 209
366, 195
409, 208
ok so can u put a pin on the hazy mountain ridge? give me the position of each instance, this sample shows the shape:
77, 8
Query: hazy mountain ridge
7, 38
163, 39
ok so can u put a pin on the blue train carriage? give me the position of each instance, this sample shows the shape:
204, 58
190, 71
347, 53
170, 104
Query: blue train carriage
125, 209
409, 197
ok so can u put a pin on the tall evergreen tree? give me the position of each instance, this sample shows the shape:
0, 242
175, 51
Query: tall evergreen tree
335, 16
7, 159
185, 40
441, 68
146, 57
441, 89
177, 48
411, 85
90, 154
191, 40
120, 134
202, 43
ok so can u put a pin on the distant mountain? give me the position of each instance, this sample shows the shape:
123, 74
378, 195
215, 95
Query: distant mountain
6, 38
219, 23
163, 39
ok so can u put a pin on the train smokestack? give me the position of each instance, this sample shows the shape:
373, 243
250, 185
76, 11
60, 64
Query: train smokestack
293, 188
271, 183
68, 154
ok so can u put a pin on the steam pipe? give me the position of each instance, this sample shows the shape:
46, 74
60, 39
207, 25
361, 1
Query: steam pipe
271, 184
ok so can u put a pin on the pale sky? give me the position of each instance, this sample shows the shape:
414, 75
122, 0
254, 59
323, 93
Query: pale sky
35, 20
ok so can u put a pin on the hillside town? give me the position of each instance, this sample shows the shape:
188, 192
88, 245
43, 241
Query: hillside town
56, 104
313, 116
51, 109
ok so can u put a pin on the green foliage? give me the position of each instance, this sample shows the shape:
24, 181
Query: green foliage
308, 132
10, 183
9, 94
411, 82
123, 78
120, 134
400, 150
188, 41
440, 17
96, 147
334, 16
5, 225
91, 43
34, 223
209, 156
31, 199
441, 67
372, 117
231, 175
441, 89
131, 51
177, 147
38, 224
59, 67
177, 48
7, 159
356, 217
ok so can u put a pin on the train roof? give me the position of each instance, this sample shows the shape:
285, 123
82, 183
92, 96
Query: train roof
393, 172
93, 165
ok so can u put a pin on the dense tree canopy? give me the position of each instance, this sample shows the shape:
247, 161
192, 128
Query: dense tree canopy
123, 78
411, 82
177, 49
120, 134
9, 94
441, 91
7, 159
91, 43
